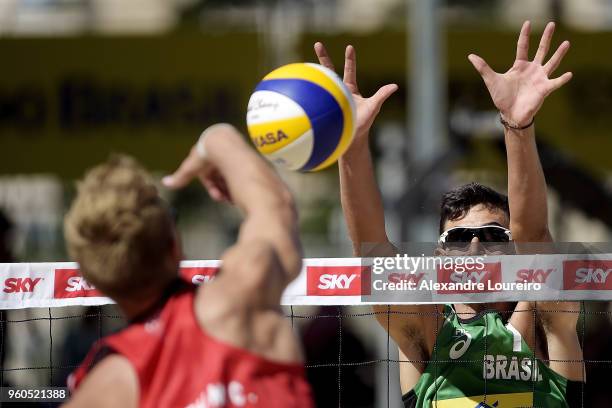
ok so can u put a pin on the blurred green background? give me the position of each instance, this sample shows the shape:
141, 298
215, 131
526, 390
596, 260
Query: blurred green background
81, 79
80, 98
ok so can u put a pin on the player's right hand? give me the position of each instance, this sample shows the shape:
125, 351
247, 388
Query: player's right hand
519, 92
367, 108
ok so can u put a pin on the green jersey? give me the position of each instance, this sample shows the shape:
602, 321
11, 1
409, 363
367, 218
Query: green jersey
480, 362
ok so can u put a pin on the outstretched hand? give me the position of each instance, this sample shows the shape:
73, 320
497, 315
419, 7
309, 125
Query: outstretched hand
519, 92
367, 108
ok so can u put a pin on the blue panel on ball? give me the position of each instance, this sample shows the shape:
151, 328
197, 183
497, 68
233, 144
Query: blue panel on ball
321, 108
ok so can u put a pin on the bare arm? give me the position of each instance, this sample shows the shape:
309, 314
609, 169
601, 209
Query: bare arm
232, 171
241, 306
359, 194
360, 197
526, 187
518, 94
256, 269
363, 210
526, 183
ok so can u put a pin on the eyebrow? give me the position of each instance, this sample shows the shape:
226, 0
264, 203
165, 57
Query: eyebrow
492, 223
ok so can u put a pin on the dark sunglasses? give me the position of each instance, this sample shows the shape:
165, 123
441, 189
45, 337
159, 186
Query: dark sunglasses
486, 233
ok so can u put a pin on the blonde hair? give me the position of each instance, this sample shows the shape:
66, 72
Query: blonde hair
120, 232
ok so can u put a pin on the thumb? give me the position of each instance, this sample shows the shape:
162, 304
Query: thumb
188, 169
482, 67
383, 94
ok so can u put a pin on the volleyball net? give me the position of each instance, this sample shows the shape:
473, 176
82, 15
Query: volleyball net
51, 315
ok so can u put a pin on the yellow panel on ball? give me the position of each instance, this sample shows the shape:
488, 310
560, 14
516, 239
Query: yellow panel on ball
302, 90
270, 136
331, 83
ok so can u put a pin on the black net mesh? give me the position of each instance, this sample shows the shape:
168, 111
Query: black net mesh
350, 359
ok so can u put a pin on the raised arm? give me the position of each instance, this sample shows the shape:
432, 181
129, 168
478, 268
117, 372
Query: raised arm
412, 327
359, 194
518, 94
255, 270
268, 251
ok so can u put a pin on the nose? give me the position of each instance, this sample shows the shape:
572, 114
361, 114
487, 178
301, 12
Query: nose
475, 247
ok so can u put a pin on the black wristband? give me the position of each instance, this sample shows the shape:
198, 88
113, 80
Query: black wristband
509, 126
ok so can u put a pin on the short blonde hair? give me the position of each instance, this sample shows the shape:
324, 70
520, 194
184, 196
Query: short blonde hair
120, 232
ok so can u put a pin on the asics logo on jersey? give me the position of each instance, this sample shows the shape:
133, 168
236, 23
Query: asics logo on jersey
459, 348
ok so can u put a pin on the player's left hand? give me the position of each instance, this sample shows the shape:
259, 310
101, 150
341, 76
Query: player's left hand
520, 92
367, 108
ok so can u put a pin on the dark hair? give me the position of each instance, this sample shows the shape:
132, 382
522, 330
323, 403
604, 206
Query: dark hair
457, 202
6, 225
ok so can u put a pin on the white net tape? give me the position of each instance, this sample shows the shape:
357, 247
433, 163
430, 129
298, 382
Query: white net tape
352, 281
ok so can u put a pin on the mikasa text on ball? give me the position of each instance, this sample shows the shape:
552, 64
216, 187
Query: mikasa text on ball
301, 116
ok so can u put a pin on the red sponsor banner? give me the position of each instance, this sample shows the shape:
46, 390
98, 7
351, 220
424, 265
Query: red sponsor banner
337, 280
587, 275
70, 284
487, 277
198, 274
